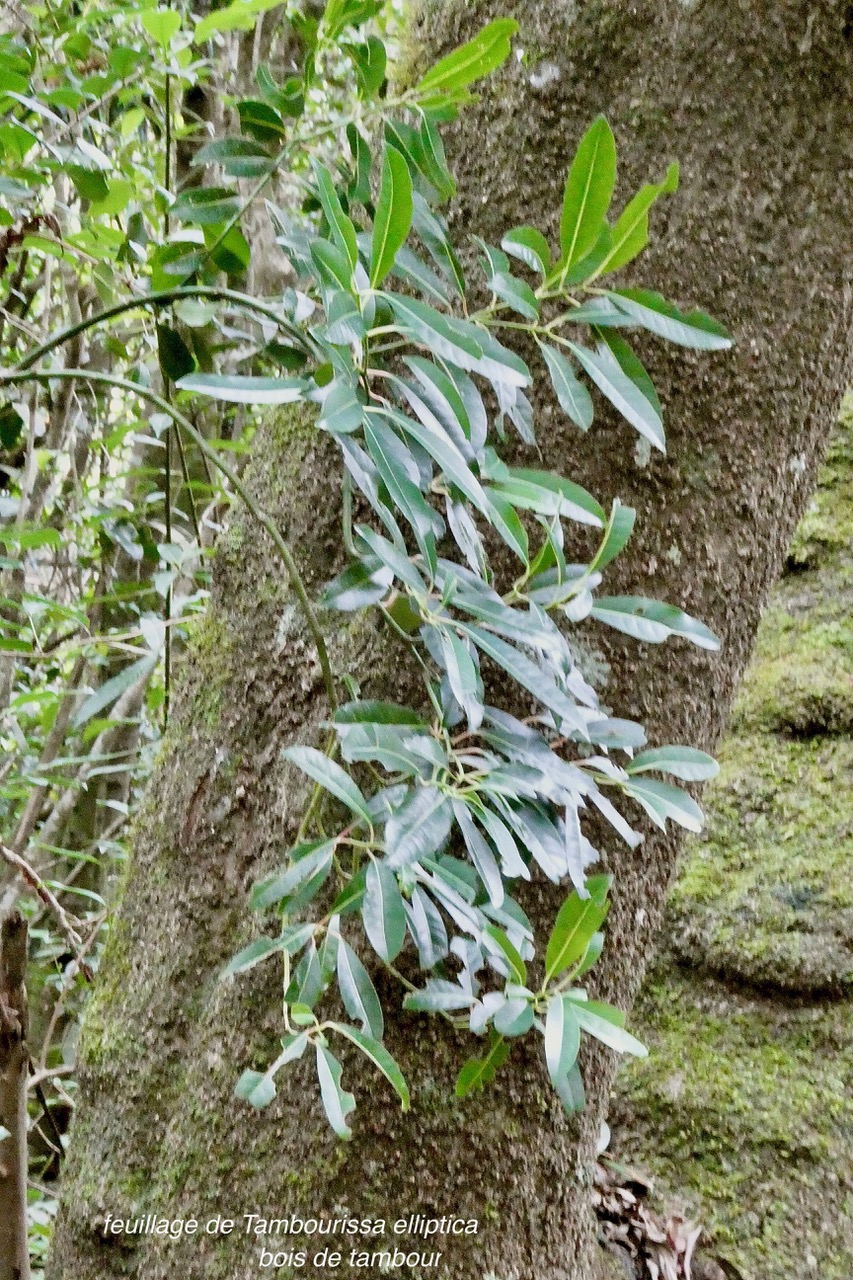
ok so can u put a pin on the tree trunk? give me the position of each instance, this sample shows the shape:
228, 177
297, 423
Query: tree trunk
754, 98
14, 1069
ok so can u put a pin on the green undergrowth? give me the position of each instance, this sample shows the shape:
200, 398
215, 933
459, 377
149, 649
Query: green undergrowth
744, 1108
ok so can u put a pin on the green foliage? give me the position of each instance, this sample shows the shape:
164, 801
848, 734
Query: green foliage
418, 389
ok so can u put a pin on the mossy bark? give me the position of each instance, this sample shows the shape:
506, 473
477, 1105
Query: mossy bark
755, 100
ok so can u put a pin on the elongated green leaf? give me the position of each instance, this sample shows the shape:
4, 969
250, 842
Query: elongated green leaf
205, 205
358, 992
549, 495
577, 921
525, 672
619, 527
418, 828
336, 1101
330, 776
306, 861
112, 689
257, 1088
382, 911
393, 215
340, 225
682, 762
530, 246
445, 453
514, 1018
458, 341
516, 294
239, 157
427, 929
570, 391
607, 374
502, 515
244, 390
362, 583
662, 801
332, 264
373, 712
481, 854
291, 939
609, 1033
463, 676
438, 995
631, 365
392, 460
478, 1072
380, 1057
631, 232
652, 620
562, 1037
478, 58
588, 192
517, 967
694, 329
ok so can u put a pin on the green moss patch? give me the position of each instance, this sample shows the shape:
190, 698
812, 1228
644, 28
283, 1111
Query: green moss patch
744, 1109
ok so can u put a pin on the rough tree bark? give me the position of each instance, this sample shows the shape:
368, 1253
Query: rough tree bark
14, 1069
754, 98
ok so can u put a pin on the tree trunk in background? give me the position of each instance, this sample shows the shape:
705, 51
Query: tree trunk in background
14, 1071
755, 100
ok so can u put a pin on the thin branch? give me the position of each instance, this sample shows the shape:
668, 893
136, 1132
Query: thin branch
34, 880
161, 298
239, 487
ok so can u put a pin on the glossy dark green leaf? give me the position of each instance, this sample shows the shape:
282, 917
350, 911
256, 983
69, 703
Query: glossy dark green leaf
380, 1057
662, 801
480, 853
329, 774
358, 992
515, 1018
175, 357
530, 246
291, 939
337, 1103
260, 120
340, 224
361, 584
478, 1072
427, 928
239, 157
393, 215
305, 861
652, 621
382, 911
418, 828
578, 919
693, 329
608, 1032
562, 1037
205, 206
682, 762
604, 370
573, 396
588, 192
438, 995
245, 390
478, 58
